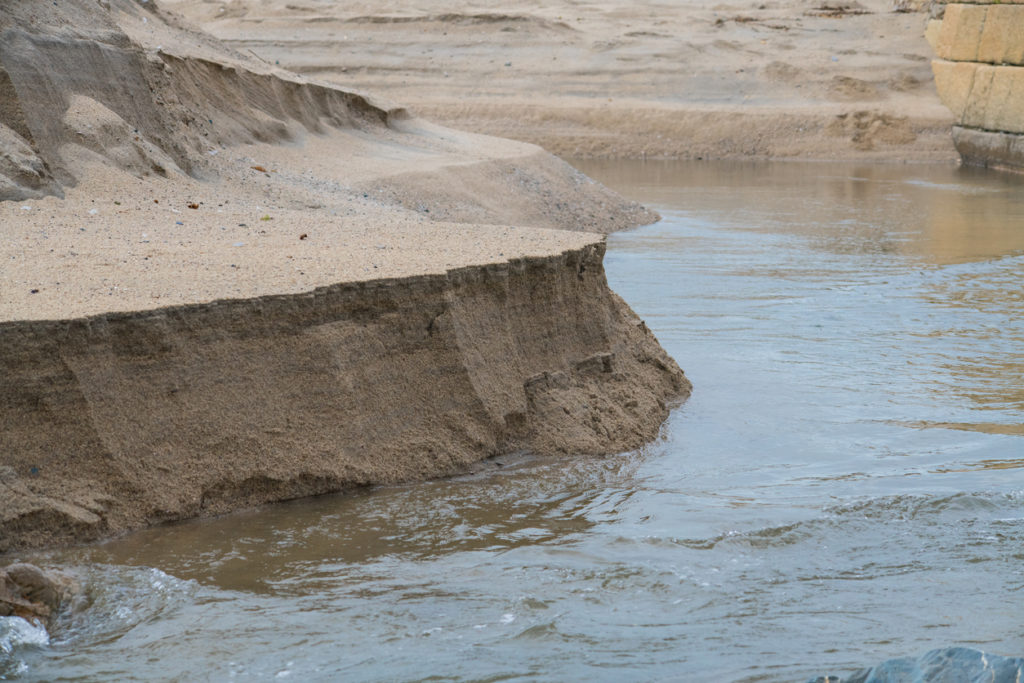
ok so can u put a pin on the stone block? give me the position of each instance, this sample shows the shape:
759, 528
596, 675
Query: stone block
1004, 104
1002, 36
980, 33
988, 148
960, 33
954, 81
982, 95
976, 104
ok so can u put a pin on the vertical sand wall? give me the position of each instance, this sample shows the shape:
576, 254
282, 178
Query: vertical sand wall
121, 421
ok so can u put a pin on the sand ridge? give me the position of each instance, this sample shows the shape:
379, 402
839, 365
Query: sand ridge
125, 420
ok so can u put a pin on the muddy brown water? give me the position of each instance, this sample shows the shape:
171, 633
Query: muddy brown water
846, 484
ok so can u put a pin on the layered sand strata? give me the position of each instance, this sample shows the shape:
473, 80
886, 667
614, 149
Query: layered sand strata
120, 420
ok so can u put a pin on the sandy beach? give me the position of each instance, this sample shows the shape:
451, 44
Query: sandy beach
256, 251
809, 79
119, 243
683, 80
224, 284
259, 264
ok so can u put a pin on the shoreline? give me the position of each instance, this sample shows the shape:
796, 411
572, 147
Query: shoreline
220, 173
708, 133
129, 420
295, 288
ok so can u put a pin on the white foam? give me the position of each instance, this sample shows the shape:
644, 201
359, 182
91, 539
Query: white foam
16, 632
15, 635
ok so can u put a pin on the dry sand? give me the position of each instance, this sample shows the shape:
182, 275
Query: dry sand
813, 79
375, 191
119, 243
293, 186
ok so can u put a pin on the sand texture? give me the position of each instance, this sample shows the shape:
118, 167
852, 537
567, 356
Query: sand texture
223, 284
119, 421
117, 243
814, 79
198, 175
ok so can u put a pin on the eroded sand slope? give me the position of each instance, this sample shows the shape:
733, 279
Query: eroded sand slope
124, 420
223, 285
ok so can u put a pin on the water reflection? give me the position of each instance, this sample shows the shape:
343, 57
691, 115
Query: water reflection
983, 427
904, 245
261, 550
937, 214
842, 487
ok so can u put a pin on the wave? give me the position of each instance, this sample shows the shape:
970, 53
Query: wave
963, 664
17, 636
113, 600
927, 510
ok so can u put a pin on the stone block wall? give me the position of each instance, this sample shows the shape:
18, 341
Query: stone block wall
979, 75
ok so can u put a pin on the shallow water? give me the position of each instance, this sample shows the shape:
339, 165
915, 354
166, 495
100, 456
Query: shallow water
846, 484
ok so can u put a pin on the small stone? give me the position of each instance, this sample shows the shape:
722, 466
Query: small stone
28, 592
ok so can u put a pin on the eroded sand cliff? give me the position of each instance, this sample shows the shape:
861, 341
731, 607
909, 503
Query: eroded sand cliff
122, 420
223, 285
